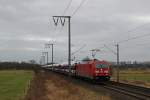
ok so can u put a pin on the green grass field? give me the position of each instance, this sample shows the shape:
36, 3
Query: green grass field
13, 84
135, 77
138, 77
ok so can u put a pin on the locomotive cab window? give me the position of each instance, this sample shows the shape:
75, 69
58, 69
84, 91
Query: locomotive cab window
101, 66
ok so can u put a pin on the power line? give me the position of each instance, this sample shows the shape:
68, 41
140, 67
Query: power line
69, 4
56, 21
78, 49
65, 10
110, 49
81, 3
137, 28
133, 38
132, 31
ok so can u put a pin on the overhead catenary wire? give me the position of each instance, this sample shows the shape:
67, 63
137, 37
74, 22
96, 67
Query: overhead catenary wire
137, 28
126, 40
69, 4
80, 5
78, 49
110, 49
129, 39
65, 10
67, 7
141, 45
73, 12
133, 38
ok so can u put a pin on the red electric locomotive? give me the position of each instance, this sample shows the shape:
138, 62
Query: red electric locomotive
93, 69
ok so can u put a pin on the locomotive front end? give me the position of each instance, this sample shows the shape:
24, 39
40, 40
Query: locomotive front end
102, 71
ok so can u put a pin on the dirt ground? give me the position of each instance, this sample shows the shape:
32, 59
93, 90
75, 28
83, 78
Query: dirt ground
37, 90
51, 86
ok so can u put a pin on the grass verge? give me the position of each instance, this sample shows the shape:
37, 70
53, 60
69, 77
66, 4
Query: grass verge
14, 84
141, 77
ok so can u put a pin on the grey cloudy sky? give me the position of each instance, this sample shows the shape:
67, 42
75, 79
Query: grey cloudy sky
26, 25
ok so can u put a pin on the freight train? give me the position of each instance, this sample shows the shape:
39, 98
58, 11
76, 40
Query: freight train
92, 69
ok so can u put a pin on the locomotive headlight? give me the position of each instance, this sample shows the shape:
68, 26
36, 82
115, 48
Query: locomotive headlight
96, 71
106, 71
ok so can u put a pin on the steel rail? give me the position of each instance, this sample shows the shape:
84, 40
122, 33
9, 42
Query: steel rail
140, 93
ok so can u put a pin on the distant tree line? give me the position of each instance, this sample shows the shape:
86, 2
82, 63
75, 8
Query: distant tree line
134, 65
18, 66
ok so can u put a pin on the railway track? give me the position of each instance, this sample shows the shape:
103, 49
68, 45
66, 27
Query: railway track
138, 92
